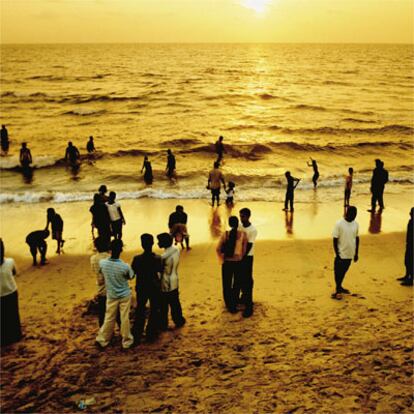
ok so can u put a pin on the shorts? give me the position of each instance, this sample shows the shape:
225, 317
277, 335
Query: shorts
215, 191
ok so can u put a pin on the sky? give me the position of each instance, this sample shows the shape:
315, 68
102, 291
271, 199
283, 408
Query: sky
211, 21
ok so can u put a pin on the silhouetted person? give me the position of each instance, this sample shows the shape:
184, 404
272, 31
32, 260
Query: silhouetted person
378, 181
170, 297
315, 177
56, 221
72, 155
292, 183
25, 156
215, 178
37, 243
102, 190
9, 300
231, 249
407, 280
4, 140
148, 269
170, 169
346, 246
100, 218
116, 215
230, 194
148, 177
90, 146
348, 186
177, 223
220, 150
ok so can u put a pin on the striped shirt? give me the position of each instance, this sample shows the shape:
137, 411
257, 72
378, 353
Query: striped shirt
116, 274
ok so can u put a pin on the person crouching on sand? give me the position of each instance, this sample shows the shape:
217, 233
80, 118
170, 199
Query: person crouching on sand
37, 242
169, 283
346, 246
231, 250
118, 296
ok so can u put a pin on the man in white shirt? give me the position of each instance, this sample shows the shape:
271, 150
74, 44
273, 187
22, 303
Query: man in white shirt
346, 245
246, 274
169, 283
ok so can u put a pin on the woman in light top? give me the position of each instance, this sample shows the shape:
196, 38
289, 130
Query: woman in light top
231, 249
10, 319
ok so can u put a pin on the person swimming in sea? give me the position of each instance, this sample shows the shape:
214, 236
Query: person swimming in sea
315, 177
90, 146
148, 177
25, 156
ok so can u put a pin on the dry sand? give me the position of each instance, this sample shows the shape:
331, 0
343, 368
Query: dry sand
300, 352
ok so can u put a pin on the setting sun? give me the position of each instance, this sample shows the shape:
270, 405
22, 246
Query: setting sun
259, 6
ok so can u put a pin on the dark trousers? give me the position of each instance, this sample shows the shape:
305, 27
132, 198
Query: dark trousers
144, 295
104, 231
230, 274
289, 199
10, 319
409, 261
42, 248
171, 300
245, 283
377, 196
116, 227
341, 266
102, 311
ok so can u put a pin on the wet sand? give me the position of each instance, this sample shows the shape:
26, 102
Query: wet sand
300, 352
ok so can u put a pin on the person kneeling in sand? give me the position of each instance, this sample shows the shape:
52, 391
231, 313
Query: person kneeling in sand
36, 241
169, 283
177, 223
346, 246
118, 296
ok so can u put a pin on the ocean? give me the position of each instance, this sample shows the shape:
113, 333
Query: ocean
275, 105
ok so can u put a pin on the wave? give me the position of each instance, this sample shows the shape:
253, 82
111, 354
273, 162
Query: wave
361, 121
84, 112
308, 107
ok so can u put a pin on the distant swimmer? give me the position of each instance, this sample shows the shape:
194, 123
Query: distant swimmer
378, 181
220, 150
315, 177
148, 177
292, 183
36, 241
56, 221
90, 146
348, 186
215, 178
230, 193
72, 155
170, 169
4, 140
25, 156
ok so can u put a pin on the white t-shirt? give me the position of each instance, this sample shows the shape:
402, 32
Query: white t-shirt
346, 232
113, 211
7, 282
251, 233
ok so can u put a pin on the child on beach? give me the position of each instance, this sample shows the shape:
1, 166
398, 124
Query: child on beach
57, 227
348, 186
230, 194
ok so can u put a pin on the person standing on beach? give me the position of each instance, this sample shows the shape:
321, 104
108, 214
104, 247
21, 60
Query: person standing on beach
215, 178
348, 186
378, 181
148, 177
315, 177
177, 223
102, 247
346, 246
116, 216
170, 169
245, 282
407, 280
90, 146
220, 150
148, 269
72, 155
102, 190
25, 156
57, 227
231, 250
37, 242
169, 283
118, 296
5, 143
100, 218
292, 183
9, 300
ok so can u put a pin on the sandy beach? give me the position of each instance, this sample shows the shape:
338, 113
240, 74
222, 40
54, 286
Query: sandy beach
300, 352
